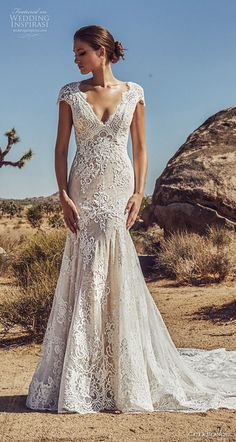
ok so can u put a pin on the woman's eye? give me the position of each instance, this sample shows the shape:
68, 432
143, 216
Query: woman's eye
82, 53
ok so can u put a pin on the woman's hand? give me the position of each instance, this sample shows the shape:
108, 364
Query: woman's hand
133, 207
70, 213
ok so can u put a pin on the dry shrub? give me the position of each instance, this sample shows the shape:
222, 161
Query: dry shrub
193, 258
40, 254
147, 240
36, 269
11, 240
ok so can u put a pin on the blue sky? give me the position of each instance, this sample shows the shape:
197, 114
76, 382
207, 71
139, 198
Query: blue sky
182, 53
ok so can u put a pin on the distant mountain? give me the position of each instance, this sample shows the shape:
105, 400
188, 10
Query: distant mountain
34, 199
39, 199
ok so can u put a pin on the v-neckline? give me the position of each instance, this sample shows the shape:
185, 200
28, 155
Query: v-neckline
104, 123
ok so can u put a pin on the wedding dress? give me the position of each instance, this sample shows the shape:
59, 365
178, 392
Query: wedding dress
106, 345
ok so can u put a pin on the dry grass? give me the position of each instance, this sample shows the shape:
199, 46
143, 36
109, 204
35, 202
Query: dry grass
35, 267
193, 258
10, 240
36, 260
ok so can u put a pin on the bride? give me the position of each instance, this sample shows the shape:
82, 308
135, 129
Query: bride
106, 346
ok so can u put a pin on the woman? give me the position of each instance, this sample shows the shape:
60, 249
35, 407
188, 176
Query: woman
106, 346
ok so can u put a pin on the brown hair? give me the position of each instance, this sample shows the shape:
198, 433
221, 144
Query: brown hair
97, 36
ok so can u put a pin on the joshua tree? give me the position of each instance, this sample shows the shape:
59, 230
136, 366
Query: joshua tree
10, 208
35, 215
13, 139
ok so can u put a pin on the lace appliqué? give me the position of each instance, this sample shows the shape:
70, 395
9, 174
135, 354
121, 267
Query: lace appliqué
106, 344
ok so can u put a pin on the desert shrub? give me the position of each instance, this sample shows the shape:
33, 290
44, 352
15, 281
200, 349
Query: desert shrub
41, 251
193, 258
34, 215
147, 239
11, 241
10, 208
36, 269
145, 202
152, 244
55, 221
145, 243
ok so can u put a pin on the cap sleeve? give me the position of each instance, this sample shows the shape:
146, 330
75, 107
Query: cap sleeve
140, 92
64, 94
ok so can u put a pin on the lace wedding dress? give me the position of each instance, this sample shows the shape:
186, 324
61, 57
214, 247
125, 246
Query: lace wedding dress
106, 345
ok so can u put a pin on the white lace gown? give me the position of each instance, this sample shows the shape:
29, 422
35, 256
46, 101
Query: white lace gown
106, 345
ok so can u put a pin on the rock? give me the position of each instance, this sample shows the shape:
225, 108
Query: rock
198, 185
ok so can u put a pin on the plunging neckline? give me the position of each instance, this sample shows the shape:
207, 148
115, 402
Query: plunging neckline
112, 115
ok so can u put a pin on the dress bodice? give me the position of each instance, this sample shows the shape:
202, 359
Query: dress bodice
86, 123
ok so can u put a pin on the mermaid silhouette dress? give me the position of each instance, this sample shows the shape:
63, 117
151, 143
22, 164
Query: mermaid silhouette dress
106, 345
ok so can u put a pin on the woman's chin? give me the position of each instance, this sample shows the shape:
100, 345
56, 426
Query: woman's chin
84, 70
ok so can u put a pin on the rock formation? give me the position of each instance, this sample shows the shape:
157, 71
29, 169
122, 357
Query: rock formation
198, 185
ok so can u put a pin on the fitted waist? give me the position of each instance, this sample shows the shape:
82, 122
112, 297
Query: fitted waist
101, 139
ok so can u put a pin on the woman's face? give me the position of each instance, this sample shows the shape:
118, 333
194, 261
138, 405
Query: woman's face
86, 57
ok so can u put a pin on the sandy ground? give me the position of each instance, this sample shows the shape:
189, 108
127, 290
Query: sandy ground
179, 307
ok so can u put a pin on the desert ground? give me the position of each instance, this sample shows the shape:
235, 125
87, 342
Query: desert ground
178, 306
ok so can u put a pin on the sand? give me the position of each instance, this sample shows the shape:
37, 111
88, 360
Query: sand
178, 306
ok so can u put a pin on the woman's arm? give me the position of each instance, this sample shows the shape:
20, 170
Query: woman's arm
62, 145
140, 162
139, 149
61, 152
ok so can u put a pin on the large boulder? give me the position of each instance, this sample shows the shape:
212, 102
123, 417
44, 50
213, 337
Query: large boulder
198, 185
